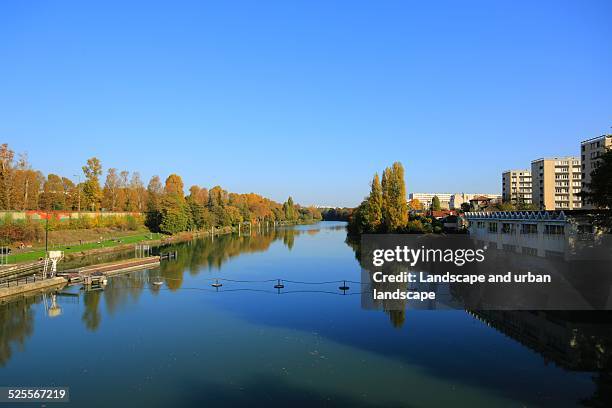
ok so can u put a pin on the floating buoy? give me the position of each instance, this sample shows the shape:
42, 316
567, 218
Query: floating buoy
216, 284
279, 285
344, 288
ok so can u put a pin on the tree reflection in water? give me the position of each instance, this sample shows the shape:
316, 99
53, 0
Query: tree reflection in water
16, 325
192, 256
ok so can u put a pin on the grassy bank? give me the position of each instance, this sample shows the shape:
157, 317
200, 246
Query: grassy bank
87, 247
108, 240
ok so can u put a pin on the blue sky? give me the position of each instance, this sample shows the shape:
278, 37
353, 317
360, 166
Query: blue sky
305, 98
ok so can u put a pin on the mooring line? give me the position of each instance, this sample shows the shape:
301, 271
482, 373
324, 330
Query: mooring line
271, 292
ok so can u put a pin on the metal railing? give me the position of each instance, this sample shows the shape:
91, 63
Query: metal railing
20, 281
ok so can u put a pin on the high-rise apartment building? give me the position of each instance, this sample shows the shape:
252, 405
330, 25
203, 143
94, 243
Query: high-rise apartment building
591, 151
556, 183
516, 186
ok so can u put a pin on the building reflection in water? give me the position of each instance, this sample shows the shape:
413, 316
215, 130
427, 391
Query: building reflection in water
573, 340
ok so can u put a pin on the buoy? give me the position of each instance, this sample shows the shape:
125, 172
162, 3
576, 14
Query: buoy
344, 288
217, 284
279, 285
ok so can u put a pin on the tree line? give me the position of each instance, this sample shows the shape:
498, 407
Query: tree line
336, 214
166, 207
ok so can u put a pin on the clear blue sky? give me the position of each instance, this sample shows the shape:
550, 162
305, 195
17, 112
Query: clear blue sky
305, 98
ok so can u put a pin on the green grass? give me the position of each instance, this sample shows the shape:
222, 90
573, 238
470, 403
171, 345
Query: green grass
39, 253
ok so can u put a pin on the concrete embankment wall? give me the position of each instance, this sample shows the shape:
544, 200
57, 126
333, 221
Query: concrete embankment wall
31, 288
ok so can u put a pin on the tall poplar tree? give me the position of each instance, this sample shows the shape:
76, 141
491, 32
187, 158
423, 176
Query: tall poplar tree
395, 207
373, 212
435, 204
91, 187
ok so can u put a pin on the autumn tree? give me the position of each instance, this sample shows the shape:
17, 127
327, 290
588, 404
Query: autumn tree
289, 210
153, 207
72, 192
53, 196
26, 185
174, 186
111, 190
7, 157
217, 196
174, 214
123, 195
374, 213
415, 204
174, 210
91, 188
137, 193
199, 195
395, 208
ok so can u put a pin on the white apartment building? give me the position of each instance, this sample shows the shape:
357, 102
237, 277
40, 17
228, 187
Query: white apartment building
556, 182
516, 186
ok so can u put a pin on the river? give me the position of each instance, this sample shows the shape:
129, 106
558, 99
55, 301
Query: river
186, 343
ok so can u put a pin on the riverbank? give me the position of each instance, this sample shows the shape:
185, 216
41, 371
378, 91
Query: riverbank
120, 243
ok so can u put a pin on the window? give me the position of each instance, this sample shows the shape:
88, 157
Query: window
529, 229
492, 227
508, 228
554, 229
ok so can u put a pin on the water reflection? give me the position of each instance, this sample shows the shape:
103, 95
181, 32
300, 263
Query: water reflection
193, 256
16, 325
17, 316
322, 339
573, 340
578, 341
91, 315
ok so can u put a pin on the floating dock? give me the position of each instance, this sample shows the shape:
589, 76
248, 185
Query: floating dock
91, 273
88, 275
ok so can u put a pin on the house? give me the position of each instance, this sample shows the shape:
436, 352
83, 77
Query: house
481, 203
438, 215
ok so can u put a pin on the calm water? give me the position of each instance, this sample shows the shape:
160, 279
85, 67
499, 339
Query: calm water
184, 344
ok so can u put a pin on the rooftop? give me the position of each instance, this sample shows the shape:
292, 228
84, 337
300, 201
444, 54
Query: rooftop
593, 139
549, 215
556, 158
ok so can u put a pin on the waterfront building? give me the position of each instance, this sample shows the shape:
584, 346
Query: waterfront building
556, 183
516, 186
591, 150
538, 233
